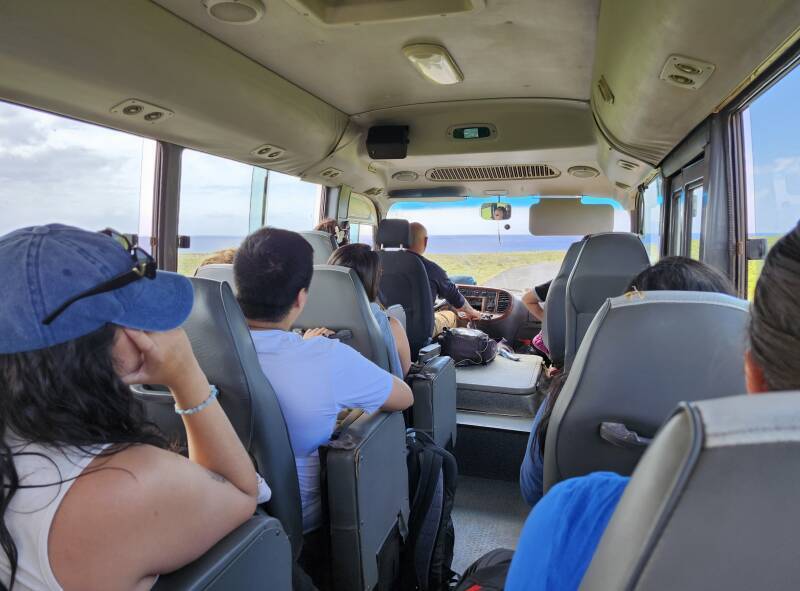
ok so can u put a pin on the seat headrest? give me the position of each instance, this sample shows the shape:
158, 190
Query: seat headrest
554, 324
217, 272
712, 504
643, 353
605, 266
393, 233
322, 243
337, 300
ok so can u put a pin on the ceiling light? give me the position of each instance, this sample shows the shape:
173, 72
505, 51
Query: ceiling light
235, 12
434, 62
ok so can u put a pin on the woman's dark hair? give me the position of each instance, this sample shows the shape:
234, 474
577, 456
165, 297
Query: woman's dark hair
681, 274
68, 395
365, 262
271, 267
775, 315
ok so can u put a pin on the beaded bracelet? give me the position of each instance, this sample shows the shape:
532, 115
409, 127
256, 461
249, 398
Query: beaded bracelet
213, 393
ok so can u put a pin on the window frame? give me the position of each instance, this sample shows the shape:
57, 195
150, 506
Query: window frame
682, 184
734, 148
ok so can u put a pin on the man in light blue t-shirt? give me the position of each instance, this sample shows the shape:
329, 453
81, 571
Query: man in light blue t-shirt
314, 377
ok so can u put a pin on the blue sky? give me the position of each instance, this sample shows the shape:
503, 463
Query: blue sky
775, 135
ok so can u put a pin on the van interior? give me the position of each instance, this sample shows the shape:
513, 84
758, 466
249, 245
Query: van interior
575, 141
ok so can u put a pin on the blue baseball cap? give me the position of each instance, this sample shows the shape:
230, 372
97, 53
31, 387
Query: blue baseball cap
43, 266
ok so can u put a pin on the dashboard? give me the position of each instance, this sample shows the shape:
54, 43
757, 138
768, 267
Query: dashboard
494, 303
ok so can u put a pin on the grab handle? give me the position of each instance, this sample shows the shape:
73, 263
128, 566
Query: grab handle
618, 434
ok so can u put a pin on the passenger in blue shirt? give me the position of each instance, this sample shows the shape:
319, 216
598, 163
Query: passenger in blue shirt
313, 377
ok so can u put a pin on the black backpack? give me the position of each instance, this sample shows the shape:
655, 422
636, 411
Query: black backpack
428, 550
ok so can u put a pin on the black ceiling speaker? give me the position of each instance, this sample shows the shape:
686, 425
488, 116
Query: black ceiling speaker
387, 142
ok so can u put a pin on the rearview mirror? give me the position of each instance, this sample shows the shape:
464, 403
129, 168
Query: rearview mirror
496, 211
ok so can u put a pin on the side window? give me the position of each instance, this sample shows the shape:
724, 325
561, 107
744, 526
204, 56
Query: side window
363, 233
772, 166
362, 217
696, 201
678, 222
687, 207
292, 204
651, 227
216, 195
54, 169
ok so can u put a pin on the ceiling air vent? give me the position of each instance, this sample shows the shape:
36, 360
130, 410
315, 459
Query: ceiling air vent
627, 164
331, 173
503, 172
373, 192
138, 109
622, 186
584, 172
268, 152
686, 72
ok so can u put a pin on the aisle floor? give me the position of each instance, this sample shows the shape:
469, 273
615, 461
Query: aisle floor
488, 514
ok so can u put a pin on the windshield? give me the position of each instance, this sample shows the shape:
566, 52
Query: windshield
493, 253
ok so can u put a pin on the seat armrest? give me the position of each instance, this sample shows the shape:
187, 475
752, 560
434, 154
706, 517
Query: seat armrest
256, 553
367, 492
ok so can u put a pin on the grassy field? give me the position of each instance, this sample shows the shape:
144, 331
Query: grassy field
189, 261
481, 266
484, 266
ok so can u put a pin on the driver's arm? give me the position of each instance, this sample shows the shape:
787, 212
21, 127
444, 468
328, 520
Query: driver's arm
531, 301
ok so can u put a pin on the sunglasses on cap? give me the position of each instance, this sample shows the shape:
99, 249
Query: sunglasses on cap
144, 266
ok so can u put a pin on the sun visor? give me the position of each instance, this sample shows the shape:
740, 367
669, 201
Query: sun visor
569, 217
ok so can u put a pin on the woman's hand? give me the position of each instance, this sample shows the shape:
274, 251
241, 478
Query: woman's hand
317, 332
164, 358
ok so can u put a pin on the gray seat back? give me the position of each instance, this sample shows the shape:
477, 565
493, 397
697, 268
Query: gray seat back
405, 282
368, 503
605, 266
323, 244
337, 300
712, 504
642, 354
222, 344
258, 550
554, 325
217, 272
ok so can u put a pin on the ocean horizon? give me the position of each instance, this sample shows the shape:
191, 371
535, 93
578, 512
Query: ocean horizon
442, 244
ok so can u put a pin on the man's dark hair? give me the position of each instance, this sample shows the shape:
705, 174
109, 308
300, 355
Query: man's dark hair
270, 269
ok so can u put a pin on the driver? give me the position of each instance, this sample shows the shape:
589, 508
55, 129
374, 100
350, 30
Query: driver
441, 286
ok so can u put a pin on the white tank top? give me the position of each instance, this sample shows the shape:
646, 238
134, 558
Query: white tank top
30, 514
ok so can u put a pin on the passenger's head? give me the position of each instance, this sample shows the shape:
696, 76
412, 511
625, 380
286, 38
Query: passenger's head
365, 262
681, 274
418, 237
273, 270
221, 257
773, 360
60, 366
328, 225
